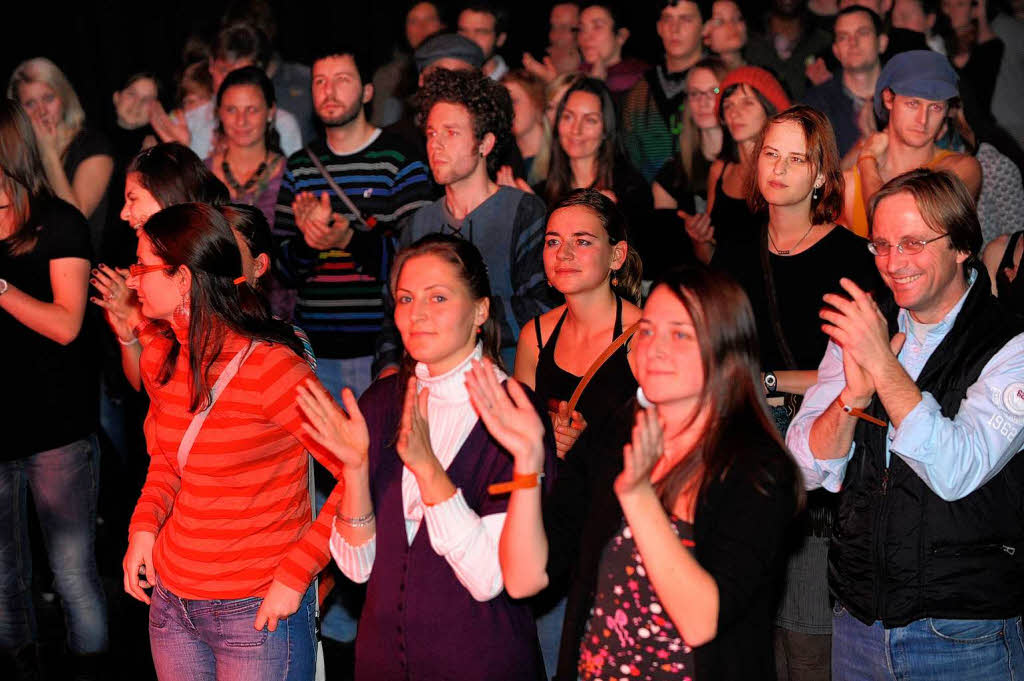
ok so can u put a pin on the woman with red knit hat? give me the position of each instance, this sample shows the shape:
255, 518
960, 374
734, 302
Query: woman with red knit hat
748, 97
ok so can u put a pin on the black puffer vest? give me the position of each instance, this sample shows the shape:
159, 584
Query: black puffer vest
899, 552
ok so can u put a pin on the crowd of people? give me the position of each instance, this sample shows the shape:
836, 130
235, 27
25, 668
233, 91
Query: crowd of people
499, 366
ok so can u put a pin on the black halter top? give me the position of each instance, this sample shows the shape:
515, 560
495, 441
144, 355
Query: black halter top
612, 385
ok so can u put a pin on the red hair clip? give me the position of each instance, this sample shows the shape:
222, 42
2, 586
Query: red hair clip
240, 280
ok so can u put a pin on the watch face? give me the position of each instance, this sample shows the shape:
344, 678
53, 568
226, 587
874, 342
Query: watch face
770, 381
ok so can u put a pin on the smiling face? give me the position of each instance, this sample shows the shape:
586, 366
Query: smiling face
785, 176
929, 283
578, 255
744, 114
133, 102
581, 126
452, 148
701, 86
598, 39
159, 292
668, 357
679, 28
41, 102
139, 204
436, 313
726, 30
244, 114
338, 91
913, 120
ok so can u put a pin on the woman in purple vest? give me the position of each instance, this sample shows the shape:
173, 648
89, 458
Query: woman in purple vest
417, 520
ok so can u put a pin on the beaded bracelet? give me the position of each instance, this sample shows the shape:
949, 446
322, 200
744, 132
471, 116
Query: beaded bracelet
360, 521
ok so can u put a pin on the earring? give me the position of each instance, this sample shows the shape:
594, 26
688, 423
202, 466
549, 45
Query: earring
814, 194
615, 281
183, 313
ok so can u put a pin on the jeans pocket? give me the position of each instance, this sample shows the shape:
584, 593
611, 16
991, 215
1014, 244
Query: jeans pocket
967, 631
235, 623
158, 609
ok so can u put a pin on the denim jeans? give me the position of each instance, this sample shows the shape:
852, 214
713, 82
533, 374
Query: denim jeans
335, 374
215, 640
64, 484
928, 649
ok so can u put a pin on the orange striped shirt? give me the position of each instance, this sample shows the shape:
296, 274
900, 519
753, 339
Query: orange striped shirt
238, 516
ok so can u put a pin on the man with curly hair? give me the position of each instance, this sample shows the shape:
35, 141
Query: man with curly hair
467, 119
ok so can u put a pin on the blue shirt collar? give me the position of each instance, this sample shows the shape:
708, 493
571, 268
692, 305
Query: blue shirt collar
943, 327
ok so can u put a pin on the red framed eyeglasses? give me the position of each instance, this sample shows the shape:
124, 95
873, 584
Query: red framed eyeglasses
139, 270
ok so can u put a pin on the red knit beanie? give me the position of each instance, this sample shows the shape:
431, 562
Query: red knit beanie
759, 79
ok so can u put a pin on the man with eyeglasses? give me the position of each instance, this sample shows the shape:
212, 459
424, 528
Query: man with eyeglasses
914, 97
916, 421
652, 111
858, 43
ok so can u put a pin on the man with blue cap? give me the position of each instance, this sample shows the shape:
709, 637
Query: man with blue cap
913, 98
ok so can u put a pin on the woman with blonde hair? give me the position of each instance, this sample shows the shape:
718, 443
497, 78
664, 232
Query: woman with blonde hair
532, 129
78, 161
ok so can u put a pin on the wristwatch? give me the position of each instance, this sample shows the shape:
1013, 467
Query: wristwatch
3, 286
771, 383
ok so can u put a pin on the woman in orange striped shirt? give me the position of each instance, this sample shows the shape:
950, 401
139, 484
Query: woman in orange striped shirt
222, 529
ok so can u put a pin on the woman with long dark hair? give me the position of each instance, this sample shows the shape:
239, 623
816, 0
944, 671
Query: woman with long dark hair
671, 517
415, 454
249, 161
586, 153
48, 408
222, 529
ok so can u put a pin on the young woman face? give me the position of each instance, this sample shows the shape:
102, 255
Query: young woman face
785, 177
41, 102
527, 116
598, 39
701, 91
668, 361
744, 115
133, 102
581, 127
436, 313
159, 291
139, 204
725, 31
578, 255
245, 115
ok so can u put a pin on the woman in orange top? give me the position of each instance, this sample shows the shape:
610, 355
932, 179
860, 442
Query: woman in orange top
222, 529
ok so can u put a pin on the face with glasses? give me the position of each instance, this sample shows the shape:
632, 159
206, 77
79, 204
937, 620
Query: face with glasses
158, 286
701, 91
926, 278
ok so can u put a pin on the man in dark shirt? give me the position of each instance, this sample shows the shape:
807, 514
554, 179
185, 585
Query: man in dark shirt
846, 98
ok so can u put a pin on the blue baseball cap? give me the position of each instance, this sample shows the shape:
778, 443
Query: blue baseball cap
917, 73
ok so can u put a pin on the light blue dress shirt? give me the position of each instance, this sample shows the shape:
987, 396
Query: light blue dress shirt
953, 457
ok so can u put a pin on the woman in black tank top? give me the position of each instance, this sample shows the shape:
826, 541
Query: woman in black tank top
1003, 265
587, 259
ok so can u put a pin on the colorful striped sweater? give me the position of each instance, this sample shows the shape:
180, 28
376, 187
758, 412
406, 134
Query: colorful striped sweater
340, 292
238, 516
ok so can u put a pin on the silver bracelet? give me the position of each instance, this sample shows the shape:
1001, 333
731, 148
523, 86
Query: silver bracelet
132, 341
361, 521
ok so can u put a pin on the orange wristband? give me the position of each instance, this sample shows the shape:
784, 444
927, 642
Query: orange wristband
518, 481
853, 411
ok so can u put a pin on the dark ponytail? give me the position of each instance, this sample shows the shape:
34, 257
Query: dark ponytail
627, 278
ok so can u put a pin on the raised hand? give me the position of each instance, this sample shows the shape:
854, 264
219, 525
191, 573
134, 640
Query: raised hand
168, 129
545, 70
322, 228
414, 433
568, 428
875, 145
508, 416
120, 304
341, 432
641, 454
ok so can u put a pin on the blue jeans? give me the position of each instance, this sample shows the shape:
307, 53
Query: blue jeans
215, 640
928, 649
64, 484
335, 374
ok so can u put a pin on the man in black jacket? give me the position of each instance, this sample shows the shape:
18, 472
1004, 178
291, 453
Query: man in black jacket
916, 421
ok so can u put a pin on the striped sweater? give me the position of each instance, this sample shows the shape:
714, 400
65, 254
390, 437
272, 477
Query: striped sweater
238, 516
340, 292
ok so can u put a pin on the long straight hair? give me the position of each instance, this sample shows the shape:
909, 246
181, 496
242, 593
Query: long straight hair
22, 176
689, 134
738, 422
197, 236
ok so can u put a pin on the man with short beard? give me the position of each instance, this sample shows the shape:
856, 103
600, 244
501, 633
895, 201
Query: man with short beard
335, 257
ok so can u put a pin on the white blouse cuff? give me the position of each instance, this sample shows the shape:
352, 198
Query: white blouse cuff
356, 562
450, 523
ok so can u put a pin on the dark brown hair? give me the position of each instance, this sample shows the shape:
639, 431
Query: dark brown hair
611, 218
738, 425
174, 174
22, 175
822, 155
